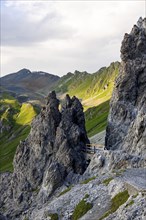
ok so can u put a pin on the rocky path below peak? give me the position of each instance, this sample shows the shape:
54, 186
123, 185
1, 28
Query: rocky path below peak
136, 178
98, 138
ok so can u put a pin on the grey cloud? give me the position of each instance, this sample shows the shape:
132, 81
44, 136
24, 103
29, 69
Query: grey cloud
17, 29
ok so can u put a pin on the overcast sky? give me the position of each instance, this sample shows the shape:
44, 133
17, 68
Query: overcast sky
63, 36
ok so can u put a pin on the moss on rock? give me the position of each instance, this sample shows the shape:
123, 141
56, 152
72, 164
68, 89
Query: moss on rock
81, 208
117, 201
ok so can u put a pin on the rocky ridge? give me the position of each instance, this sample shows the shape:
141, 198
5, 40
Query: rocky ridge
53, 150
127, 118
51, 176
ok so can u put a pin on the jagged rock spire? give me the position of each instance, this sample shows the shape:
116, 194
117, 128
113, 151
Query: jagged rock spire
54, 149
127, 119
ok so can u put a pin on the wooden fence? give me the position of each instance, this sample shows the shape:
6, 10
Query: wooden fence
92, 148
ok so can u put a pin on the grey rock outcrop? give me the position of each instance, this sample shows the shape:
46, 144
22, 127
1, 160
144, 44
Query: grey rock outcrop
54, 148
126, 128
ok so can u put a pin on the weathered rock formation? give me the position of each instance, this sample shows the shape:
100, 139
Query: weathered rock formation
54, 148
126, 128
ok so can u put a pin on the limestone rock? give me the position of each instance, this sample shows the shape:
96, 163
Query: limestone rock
127, 119
54, 148
105, 161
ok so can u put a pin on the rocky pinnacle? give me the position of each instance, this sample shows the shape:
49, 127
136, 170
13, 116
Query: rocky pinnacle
54, 149
127, 119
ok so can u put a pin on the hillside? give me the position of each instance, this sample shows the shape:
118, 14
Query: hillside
91, 89
96, 118
15, 119
56, 175
94, 91
16, 115
27, 85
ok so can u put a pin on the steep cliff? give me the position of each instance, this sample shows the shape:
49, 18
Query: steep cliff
127, 119
53, 150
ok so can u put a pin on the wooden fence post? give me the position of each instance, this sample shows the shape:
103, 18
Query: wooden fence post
94, 149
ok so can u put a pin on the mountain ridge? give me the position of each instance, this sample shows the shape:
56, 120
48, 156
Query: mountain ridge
98, 112
86, 86
29, 84
55, 175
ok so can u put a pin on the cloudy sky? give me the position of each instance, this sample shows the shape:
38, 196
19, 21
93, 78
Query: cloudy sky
64, 36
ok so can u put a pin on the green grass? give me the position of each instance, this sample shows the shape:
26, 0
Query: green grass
90, 88
96, 118
116, 202
107, 181
65, 191
53, 216
134, 196
16, 118
8, 146
130, 203
94, 90
85, 85
119, 172
88, 180
27, 113
9, 102
81, 208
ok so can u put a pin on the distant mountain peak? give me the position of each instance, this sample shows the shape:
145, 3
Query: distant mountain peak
24, 70
35, 84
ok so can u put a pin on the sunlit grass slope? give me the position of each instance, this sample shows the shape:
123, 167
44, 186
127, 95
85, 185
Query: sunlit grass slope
96, 118
92, 89
95, 91
15, 119
27, 113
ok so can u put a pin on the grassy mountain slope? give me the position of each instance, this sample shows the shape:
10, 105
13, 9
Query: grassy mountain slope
96, 118
92, 89
15, 122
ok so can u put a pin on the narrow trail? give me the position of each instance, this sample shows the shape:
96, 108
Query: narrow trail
98, 138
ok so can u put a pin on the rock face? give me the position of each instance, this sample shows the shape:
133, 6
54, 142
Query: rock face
126, 128
54, 149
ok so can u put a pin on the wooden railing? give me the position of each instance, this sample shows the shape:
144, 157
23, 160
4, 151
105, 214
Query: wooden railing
92, 148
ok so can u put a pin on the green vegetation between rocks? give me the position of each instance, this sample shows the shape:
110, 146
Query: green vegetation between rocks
94, 91
81, 208
53, 216
119, 172
116, 202
88, 180
130, 203
107, 181
65, 191
96, 118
